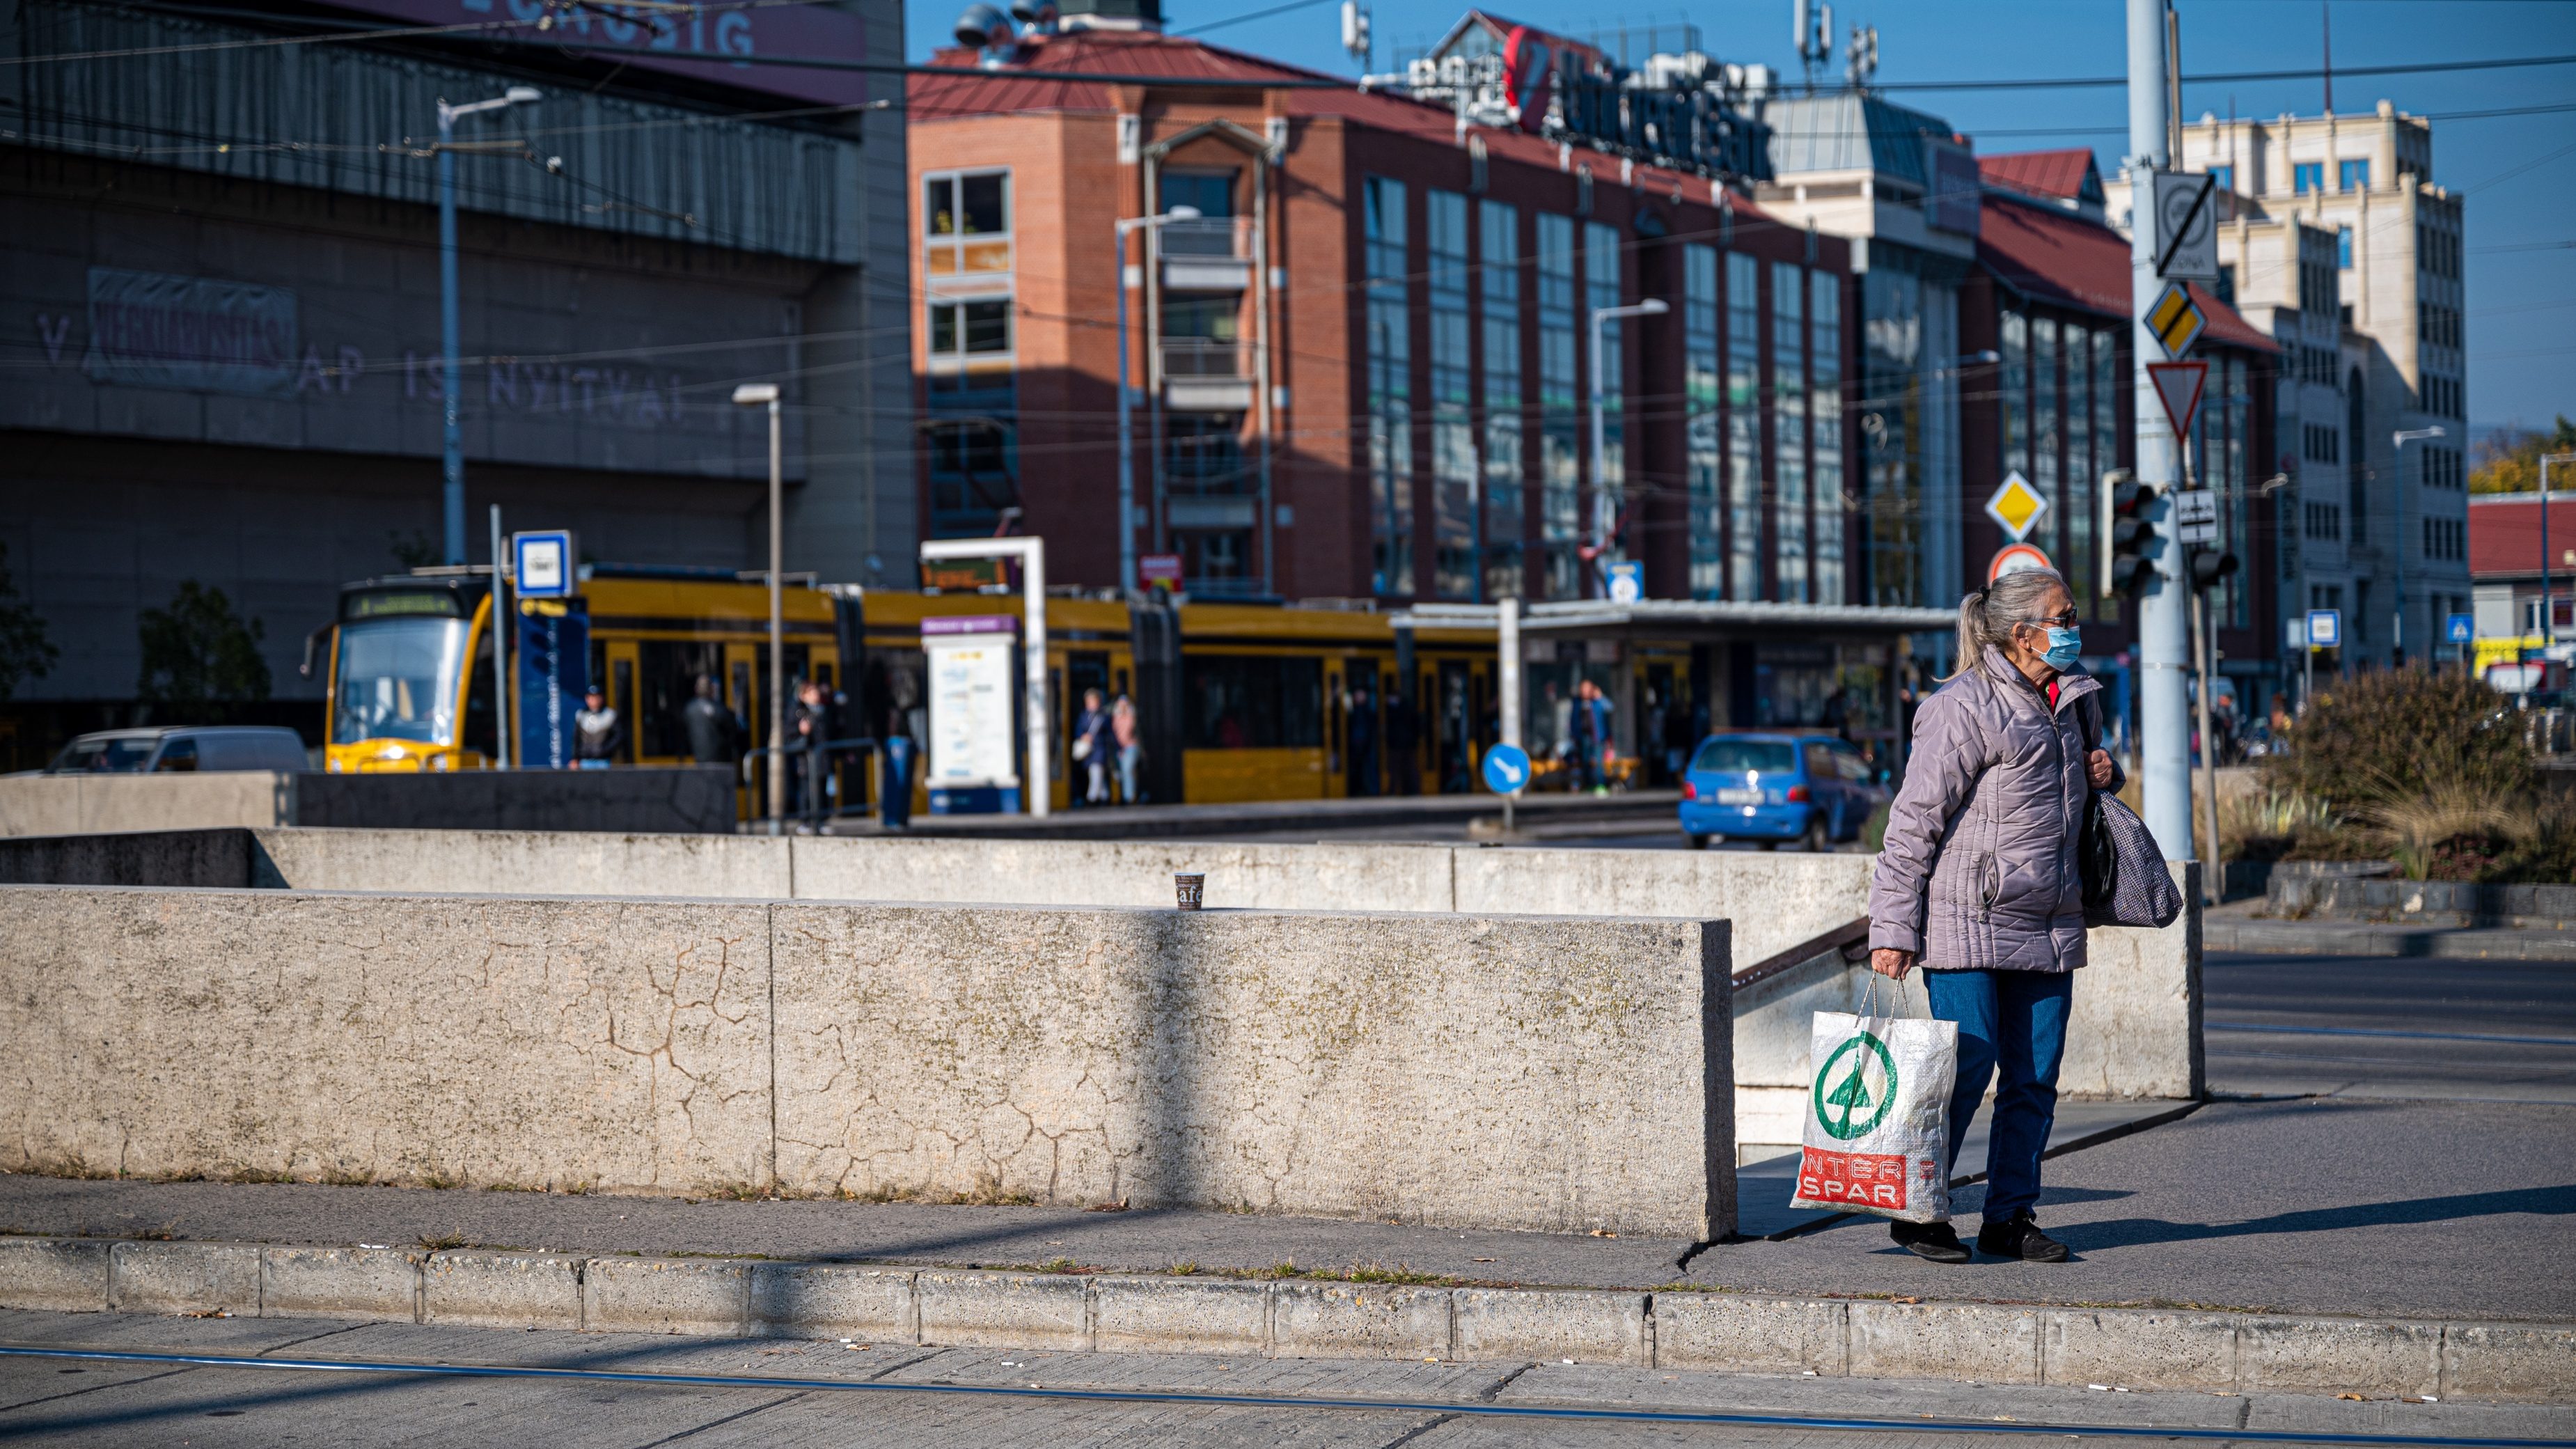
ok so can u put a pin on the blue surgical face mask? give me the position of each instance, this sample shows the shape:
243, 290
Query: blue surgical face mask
2063, 646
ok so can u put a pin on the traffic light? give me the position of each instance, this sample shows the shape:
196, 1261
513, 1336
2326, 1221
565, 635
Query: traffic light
2209, 565
2125, 534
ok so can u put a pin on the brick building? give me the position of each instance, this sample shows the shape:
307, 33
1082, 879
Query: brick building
1362, 373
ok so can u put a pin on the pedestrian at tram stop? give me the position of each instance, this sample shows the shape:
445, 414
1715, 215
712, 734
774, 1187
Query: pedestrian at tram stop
1091, 746
599, 736
1978, 884
709, 725
1128, 734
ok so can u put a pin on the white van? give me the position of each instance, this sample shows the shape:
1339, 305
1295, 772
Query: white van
182, 747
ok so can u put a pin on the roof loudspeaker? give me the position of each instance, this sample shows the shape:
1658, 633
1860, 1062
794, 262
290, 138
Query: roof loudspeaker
981, 27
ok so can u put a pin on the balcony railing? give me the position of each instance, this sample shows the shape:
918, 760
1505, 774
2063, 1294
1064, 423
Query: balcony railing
1204, 375
1213, 254
1196, 357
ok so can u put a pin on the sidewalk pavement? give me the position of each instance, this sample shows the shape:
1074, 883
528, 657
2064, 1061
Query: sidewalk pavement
2417, 1210
2236, 927
982, 1395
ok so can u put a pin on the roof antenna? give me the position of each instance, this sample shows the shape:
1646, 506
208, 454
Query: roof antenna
1813, 24
2325, 17
1355, 34
1860, 61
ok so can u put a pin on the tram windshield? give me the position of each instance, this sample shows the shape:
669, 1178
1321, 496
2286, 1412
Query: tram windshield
398, 680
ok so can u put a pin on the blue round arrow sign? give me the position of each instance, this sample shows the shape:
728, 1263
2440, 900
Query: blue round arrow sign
1507, 769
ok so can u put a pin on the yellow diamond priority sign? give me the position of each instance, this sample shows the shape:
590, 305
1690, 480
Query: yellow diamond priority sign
2175, 321
2016, 506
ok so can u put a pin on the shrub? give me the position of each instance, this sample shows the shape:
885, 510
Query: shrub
2398, 735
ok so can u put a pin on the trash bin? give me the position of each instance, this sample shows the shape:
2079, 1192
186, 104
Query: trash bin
894, 785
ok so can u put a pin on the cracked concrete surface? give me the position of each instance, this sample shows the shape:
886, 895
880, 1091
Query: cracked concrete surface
1508, 1072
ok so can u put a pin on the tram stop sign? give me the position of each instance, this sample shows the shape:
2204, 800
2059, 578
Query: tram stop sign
1507, 769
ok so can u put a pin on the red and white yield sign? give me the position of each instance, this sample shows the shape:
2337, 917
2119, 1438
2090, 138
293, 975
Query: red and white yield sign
2178, 387
2014, 558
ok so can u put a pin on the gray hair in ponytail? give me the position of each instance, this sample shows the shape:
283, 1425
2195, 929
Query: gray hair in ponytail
1987, 616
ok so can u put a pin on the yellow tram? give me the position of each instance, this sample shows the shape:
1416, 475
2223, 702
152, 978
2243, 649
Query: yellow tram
1237, 702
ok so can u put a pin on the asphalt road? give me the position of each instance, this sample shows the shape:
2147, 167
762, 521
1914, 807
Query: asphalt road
2391, 1028
96, 1402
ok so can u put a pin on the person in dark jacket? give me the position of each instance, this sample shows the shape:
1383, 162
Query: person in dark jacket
598, 734
709, 725
1093, 750
812, 724
1978, 883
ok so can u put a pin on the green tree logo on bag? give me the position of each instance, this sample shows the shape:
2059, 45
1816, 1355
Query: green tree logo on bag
1850, 1108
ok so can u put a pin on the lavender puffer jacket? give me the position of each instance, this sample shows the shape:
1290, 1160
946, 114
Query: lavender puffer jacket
1979, 868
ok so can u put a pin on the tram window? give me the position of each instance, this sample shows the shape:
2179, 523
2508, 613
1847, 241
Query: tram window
622, 699
1254, 701
670, 670
482, 722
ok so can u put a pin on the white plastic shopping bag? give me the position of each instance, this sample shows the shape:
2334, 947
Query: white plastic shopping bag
1878, 1117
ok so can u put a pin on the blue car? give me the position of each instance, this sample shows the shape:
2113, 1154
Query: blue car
1772, 788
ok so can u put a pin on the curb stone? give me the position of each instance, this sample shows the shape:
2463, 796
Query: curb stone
2241, 1353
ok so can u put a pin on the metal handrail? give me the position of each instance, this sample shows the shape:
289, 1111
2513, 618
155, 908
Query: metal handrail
851, 745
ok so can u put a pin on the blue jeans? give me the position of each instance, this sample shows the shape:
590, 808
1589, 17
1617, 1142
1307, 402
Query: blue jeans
2015, 1020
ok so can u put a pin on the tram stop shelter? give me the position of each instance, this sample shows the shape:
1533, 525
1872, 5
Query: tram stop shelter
1722, 664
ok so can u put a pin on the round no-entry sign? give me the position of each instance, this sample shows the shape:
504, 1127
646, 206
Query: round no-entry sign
2014, 558
1507, 769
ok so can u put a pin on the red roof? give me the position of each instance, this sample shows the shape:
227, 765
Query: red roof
1055, 73
2504, 535
2057, 174
2057, 256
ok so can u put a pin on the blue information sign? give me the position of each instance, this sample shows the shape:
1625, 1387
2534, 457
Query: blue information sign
1626, 582
2461, 628
2325, 628
1507, 769
543, 566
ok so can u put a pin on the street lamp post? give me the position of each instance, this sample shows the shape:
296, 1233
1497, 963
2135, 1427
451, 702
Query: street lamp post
1126, 444
2403, 436
1651, 307
454, 441
753, 395
2548, 611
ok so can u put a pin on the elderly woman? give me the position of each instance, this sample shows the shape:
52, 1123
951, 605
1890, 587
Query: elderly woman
1978, 884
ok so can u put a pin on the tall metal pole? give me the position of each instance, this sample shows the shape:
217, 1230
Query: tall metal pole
2164, 710
2211, 887
2397, 636
1126, 444
777, 637
1600, 487
502, 614
453, 439
1508, 683
2548, 611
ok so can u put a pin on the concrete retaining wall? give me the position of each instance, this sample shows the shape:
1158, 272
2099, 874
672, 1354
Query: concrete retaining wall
693, 798
83, 804
2136, 1031
1516, 1072
2209, 1352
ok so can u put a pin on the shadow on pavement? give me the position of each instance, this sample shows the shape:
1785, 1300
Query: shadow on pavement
2133, 1232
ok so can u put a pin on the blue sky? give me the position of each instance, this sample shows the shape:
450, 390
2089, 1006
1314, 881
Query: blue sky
2518, 172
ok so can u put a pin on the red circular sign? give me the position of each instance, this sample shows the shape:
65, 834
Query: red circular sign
2014, 558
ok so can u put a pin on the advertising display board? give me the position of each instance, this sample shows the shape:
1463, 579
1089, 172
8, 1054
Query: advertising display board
974, 766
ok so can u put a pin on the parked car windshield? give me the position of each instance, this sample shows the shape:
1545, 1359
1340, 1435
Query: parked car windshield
102, 756
397, 681
1735, 757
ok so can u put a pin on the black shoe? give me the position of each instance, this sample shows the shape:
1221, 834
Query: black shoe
2019, 1237
1937, 1241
